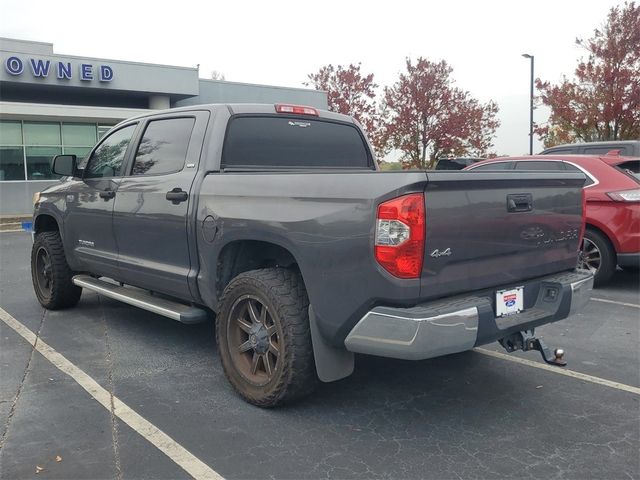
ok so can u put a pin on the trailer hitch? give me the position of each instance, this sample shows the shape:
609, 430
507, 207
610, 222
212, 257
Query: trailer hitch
526, 340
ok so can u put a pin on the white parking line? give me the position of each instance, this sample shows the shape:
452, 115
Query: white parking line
560, 371
604, 300
167, 445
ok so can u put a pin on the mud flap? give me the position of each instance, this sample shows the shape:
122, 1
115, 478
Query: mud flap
331, 363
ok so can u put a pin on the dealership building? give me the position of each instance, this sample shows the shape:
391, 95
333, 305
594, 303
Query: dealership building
52, 104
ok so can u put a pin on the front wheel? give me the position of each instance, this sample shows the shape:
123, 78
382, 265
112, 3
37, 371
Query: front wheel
264, 338
598, 256
50, 273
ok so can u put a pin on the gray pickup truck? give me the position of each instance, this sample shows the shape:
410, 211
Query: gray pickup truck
275, 220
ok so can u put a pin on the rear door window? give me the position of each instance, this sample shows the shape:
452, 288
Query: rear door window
163, 148
494, 166
282, 142
573, 168
540, 166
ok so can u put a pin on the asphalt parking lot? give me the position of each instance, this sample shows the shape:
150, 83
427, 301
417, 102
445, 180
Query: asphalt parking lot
469, 415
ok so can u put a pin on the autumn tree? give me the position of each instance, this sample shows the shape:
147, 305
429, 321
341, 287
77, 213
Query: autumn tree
602, 102
426, 116
349, 91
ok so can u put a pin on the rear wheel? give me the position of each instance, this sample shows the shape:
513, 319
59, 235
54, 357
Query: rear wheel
264, 338
598, 256
50, 273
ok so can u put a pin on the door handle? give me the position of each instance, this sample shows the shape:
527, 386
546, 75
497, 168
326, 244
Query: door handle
107, 194
519, 202
177, 195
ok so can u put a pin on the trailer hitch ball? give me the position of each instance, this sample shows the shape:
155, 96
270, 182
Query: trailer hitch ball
526, 341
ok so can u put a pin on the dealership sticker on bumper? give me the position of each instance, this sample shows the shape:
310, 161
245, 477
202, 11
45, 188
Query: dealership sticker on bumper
510, 301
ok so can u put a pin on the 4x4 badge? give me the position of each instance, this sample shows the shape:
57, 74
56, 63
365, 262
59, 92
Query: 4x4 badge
437, 253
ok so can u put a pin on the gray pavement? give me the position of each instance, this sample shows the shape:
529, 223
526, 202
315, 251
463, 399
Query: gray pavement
460, 416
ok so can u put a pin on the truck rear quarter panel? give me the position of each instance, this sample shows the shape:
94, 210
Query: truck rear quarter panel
326, 220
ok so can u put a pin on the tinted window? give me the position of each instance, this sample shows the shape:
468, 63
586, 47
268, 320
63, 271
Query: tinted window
540, 166
573, 168
293, 142
107, 159
560, 151
494, 166
624, 150
631, 168
163, 148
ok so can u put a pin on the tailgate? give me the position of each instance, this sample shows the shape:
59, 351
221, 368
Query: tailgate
498, 228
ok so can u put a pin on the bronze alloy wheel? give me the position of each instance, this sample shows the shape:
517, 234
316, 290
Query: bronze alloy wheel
254, 340
43, 272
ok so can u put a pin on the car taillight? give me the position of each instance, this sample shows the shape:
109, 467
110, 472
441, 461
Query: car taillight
400, 235
296, 109
584, 218
625, 195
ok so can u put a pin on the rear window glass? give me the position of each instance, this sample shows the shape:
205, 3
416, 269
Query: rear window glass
293, 142
632, 168
540, 166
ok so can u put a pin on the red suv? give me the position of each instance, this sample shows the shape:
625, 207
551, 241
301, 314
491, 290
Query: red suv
612, 191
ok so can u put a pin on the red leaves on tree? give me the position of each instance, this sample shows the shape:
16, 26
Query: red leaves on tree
348, 92
425, 116
603, 101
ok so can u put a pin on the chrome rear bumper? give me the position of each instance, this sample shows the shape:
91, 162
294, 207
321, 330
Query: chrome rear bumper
454, 325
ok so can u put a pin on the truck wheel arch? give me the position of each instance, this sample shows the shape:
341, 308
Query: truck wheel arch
240, 256
45, 223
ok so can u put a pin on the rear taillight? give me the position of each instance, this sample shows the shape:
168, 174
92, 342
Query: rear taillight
296, 109
400, 235
625, 195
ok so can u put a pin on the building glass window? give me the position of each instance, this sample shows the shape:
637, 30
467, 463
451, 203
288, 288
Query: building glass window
78, 134
39, 162
10, 132
102, 130
11, 151
80, 152
27, 148
11, 163
41, 133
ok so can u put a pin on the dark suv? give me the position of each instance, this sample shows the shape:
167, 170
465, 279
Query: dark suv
626, 148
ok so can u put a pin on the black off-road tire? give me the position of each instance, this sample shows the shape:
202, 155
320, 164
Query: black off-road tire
62, 293
282, 291
607, 256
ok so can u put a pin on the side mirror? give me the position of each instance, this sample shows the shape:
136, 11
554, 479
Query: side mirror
65, 165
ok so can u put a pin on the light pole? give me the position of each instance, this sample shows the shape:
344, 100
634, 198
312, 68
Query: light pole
526, 55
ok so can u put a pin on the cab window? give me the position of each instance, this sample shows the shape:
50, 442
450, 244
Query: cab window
163, 148
107, 159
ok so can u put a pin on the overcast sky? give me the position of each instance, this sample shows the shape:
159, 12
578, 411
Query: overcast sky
279, 43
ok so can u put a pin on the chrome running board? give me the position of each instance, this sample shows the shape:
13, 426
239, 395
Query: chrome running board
146, 301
